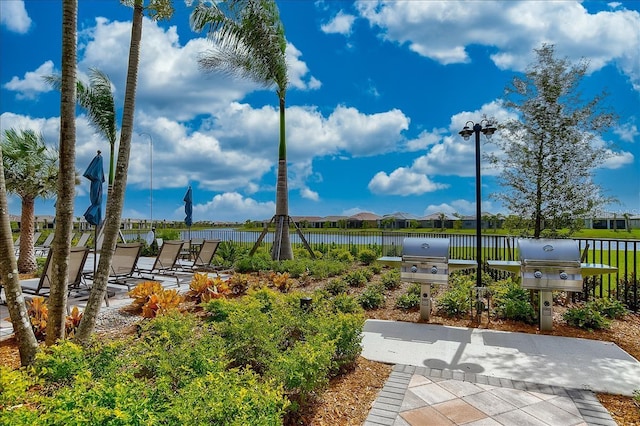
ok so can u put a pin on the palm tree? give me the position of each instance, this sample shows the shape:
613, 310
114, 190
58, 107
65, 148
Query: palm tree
97, 100
30, 171
27, 343
67, 176
157, 10
249, 42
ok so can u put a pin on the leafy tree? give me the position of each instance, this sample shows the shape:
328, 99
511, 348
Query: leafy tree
27, 343
67, 176
549, 150
30, 171
249, 42
157, 10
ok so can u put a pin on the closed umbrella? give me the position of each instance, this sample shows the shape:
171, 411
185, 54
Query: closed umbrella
93, 215
188, 209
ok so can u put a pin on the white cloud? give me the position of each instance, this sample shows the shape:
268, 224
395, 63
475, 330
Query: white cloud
451, 154
515, 28
14, 16
232, 207
627, 132
402, 181
463, 207
309, 194
32, 83
618, 159
298, 70
340, 24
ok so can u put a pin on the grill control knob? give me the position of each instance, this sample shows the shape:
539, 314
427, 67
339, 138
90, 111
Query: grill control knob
564, 275
537, 274
414, 269
434, 269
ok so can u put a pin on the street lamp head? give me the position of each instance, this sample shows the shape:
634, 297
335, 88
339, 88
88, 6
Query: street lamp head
466, 132
489, 129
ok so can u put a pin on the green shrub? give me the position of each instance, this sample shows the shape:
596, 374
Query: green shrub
60, 362
236, 397
346, 304
585, 317
336, 286
325, 268
230, 252
345, 331
511, 301
456, 300
123, 400
391, 279
408, 301
610, 308
355, 278
303, 367
367, 256
13, 386
372, 297
218, 309
367, 273
255, 263
341, 255
295, 268
375, 267
415, 289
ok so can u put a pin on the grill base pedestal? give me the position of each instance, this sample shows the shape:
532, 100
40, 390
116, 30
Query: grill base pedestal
546, 310
425, 302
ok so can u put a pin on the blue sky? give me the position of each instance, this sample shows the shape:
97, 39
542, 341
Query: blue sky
378, 92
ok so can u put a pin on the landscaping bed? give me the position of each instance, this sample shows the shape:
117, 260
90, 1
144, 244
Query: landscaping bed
347, 398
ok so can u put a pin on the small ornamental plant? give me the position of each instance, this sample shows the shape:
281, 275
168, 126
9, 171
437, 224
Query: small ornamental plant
203, 288
281, 281
143, 291
161, 303
153, 299
38, 314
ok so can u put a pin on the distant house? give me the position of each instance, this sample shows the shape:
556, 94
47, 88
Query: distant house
363, 220
435, 220
304, 222
398, 220
609, 220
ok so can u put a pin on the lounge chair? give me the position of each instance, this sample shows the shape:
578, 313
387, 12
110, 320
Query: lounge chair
43, 248
42, 285
16, 245
123, 264
204, 257
166, 263
82, 242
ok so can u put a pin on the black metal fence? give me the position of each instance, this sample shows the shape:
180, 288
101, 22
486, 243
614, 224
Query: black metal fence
624, 254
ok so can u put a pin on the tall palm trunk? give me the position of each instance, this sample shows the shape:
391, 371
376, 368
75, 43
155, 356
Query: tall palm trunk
27, 343
282, 242
67, 177
27, 257
115, 201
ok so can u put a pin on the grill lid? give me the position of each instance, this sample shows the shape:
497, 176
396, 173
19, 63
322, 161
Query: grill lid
421, 248
548, 251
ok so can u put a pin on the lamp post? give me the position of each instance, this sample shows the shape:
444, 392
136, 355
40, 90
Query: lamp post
488, 130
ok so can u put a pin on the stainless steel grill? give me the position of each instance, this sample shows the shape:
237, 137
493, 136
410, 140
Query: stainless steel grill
550, 264
425, 260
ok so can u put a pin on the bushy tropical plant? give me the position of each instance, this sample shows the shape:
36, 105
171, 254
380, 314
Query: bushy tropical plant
372, 297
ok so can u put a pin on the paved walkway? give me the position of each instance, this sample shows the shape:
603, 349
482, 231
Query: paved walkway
451, 375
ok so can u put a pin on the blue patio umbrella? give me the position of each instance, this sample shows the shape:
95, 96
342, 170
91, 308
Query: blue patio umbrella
95, 174
188, 209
